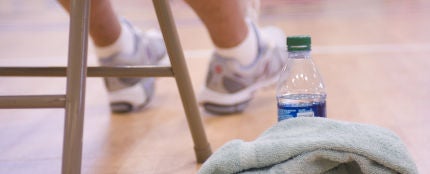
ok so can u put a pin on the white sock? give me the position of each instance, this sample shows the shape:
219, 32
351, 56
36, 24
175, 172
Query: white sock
124, 44
245, 52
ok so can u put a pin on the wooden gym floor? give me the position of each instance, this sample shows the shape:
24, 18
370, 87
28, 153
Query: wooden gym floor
372, 54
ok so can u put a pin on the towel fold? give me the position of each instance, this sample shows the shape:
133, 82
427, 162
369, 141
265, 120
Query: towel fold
314, 145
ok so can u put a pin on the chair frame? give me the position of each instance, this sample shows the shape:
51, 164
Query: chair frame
77, 71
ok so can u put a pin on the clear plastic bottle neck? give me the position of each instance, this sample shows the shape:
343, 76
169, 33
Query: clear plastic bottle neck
299, 54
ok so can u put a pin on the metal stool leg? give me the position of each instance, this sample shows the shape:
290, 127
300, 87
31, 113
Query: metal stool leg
75, 94
180, 71
74, 100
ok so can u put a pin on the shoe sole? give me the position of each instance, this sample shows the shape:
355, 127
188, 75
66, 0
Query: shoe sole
127, 100
225, 109
126, 107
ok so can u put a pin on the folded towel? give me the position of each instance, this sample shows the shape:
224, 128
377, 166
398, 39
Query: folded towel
314, 145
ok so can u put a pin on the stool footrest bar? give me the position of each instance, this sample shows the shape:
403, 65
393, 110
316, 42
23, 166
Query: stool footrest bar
132, 71
32, 101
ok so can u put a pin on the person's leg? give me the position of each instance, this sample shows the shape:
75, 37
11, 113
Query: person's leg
224, 20
246, 57
104, 25
118, 43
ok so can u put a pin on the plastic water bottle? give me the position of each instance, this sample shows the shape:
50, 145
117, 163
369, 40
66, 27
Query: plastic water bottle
301, 91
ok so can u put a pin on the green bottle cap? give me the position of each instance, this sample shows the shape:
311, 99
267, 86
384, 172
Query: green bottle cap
299, 43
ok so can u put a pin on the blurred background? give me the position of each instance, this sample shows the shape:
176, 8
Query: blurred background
372, 54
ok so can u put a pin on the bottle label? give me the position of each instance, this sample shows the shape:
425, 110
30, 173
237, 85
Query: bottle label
286, 111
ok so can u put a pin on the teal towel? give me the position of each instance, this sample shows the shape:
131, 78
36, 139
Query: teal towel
314, 145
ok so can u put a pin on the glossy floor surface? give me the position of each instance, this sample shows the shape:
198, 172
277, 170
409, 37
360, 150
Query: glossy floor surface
372, 54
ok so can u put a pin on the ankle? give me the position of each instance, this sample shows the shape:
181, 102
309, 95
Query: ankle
246, 51
124, 44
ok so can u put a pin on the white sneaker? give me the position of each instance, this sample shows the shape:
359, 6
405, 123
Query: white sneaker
230, 86
129, 94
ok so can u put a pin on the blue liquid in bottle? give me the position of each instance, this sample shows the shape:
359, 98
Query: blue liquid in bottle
301, 105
